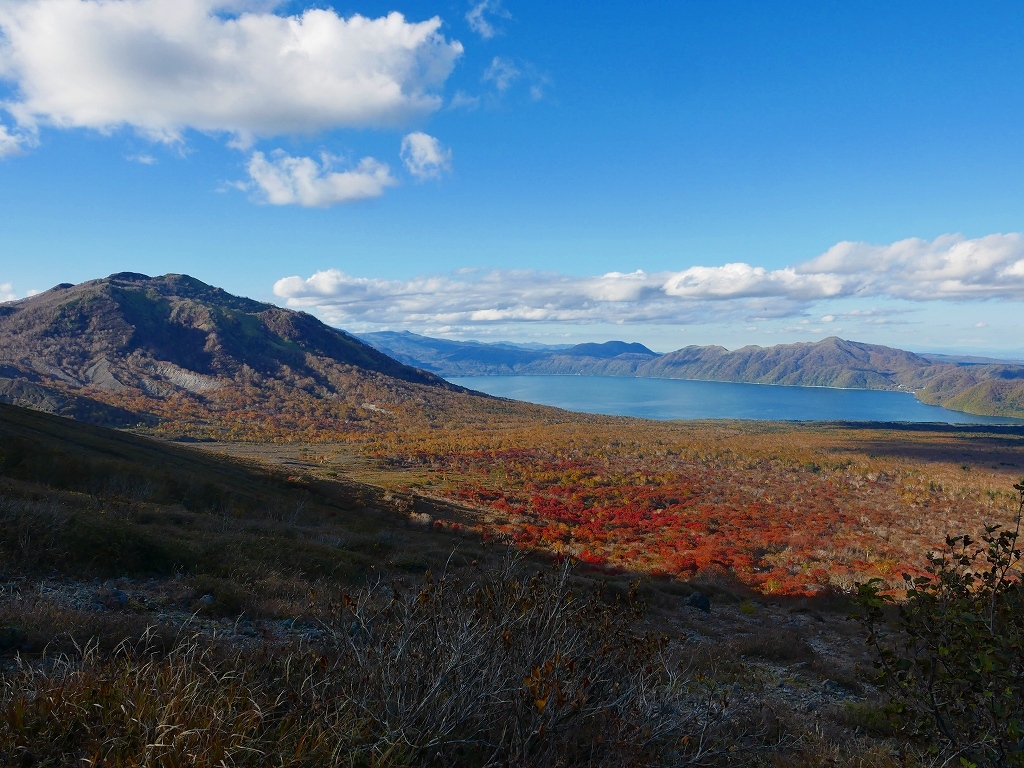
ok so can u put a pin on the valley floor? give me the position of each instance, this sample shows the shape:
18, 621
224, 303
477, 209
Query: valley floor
792, 509
260, 577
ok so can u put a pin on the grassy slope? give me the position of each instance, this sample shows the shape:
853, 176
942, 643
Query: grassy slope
90, 501
277, 550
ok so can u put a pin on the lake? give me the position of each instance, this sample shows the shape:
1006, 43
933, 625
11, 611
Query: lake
684, 399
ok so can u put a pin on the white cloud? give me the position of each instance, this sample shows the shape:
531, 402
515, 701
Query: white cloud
463, 100
7, 292
502, 72
286, 180
949, 268
981, 324
164, 66
10, 144
497, 296
479, 21
742, 280
424, 156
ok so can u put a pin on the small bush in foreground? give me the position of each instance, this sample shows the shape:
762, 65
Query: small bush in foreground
955, 663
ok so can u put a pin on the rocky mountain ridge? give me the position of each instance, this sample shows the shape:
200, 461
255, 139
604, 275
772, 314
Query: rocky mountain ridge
86, 350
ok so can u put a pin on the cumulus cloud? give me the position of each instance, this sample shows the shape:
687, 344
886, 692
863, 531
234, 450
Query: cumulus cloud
479, 21
948, 268
285, 180
165, 66
7, 292
502, 71
488, 297
424, 156
742, 280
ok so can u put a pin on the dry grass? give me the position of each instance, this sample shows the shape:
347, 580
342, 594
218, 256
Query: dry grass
353, 655
506, 667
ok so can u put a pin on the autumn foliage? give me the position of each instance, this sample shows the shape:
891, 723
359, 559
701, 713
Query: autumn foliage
786, 509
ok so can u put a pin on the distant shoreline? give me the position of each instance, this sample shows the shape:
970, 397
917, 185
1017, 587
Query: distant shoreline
984, 387
678, 378
982, 419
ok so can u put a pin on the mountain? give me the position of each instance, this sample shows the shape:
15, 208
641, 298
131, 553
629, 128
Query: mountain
474, 358
130, 348
453, 358
832, 362
178, 357
608, 350
970, 359
974, 385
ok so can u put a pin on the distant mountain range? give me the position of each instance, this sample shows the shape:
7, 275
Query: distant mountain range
474, 358
973, 385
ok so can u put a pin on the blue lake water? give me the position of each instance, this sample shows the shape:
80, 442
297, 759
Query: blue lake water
683, 399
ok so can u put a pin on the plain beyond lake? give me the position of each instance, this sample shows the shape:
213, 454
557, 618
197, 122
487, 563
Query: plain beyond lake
687, 399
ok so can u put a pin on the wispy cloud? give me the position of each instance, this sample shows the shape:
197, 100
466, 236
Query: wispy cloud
165, 66
502, 71
285, 180
480, 15
424, 156
10, 143
949, 268
463, 100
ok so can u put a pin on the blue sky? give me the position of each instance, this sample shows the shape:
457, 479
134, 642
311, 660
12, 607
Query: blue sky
506, 171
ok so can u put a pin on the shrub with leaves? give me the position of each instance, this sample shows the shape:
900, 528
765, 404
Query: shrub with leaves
952, 658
